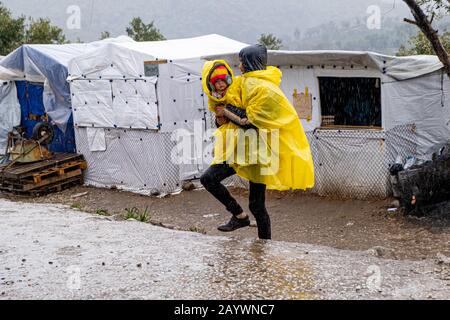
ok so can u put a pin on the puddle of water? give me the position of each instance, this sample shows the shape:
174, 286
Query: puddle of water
255, 270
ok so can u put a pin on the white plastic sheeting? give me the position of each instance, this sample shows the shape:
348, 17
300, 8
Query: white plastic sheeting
355, 163
181, 95
104, 83
423, 102
96, 139
110, 61
48, 64
134, 160
115, 103
8, 74
349, 163
9, 111
125, 59
109, 90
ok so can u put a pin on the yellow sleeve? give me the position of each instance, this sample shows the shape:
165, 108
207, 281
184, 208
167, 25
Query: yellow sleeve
212, 105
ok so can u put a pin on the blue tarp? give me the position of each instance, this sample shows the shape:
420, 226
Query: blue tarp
30, 97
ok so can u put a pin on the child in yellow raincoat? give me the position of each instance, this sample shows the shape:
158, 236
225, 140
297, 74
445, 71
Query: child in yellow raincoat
284, 161
222, 89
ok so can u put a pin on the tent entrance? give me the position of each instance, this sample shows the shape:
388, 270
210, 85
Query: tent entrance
350, 102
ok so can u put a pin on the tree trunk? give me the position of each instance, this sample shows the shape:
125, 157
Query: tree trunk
422, 21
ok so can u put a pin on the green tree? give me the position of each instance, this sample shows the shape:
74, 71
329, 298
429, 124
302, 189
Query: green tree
11, 31
41, 31
419, 44
424, 12
270, 41
105, 35
140, 31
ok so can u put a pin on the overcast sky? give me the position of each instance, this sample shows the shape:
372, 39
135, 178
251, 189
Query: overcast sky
241, 20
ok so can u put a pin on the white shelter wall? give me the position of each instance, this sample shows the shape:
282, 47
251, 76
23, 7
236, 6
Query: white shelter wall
424, 103
9, 111
116, 103
133, 160
180, 93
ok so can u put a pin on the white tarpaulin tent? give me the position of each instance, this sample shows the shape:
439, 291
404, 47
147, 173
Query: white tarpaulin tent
9, 110
133, 101
128, 121
48, 64
414, 121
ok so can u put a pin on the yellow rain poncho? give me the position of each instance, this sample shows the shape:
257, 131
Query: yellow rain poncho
281, 157
268, 108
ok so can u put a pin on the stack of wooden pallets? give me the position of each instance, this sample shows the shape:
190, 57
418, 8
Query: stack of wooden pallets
34, 179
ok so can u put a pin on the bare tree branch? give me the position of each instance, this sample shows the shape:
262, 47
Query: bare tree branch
411, 21
424, 24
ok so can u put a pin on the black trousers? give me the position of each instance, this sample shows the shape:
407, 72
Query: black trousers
212, 179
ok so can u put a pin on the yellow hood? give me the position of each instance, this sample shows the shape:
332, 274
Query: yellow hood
208, 68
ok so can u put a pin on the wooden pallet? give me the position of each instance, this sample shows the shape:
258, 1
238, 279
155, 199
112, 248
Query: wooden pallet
44, 176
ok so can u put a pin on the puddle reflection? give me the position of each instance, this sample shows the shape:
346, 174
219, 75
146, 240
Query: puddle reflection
258, 270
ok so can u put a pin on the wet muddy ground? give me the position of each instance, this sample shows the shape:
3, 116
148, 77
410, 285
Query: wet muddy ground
54, 252
296, 217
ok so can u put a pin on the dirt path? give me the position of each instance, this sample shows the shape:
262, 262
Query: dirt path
351, 225
53, 252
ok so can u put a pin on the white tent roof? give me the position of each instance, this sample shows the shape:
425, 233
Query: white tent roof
126, 58
179, 49
30, 61
48, 63
398, 68
4, 73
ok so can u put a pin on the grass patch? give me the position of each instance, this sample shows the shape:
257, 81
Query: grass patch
76, 206
102, 212
197, 230
137, 214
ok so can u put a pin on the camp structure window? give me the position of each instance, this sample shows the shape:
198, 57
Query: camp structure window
152, 67
350, 102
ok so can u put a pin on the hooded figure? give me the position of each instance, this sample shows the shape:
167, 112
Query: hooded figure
266, 127
288, 163
254, 58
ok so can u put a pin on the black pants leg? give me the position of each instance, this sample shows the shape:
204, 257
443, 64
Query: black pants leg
212, 179
257, 205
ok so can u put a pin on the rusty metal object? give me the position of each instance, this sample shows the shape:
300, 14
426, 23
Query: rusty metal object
24, 153
29, 151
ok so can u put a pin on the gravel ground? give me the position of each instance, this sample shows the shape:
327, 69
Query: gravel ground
54, 252
296, 217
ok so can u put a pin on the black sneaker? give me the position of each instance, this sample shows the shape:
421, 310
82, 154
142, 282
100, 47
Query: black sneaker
235, 224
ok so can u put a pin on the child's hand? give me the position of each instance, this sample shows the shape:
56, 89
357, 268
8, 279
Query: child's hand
219, 110
221, 120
